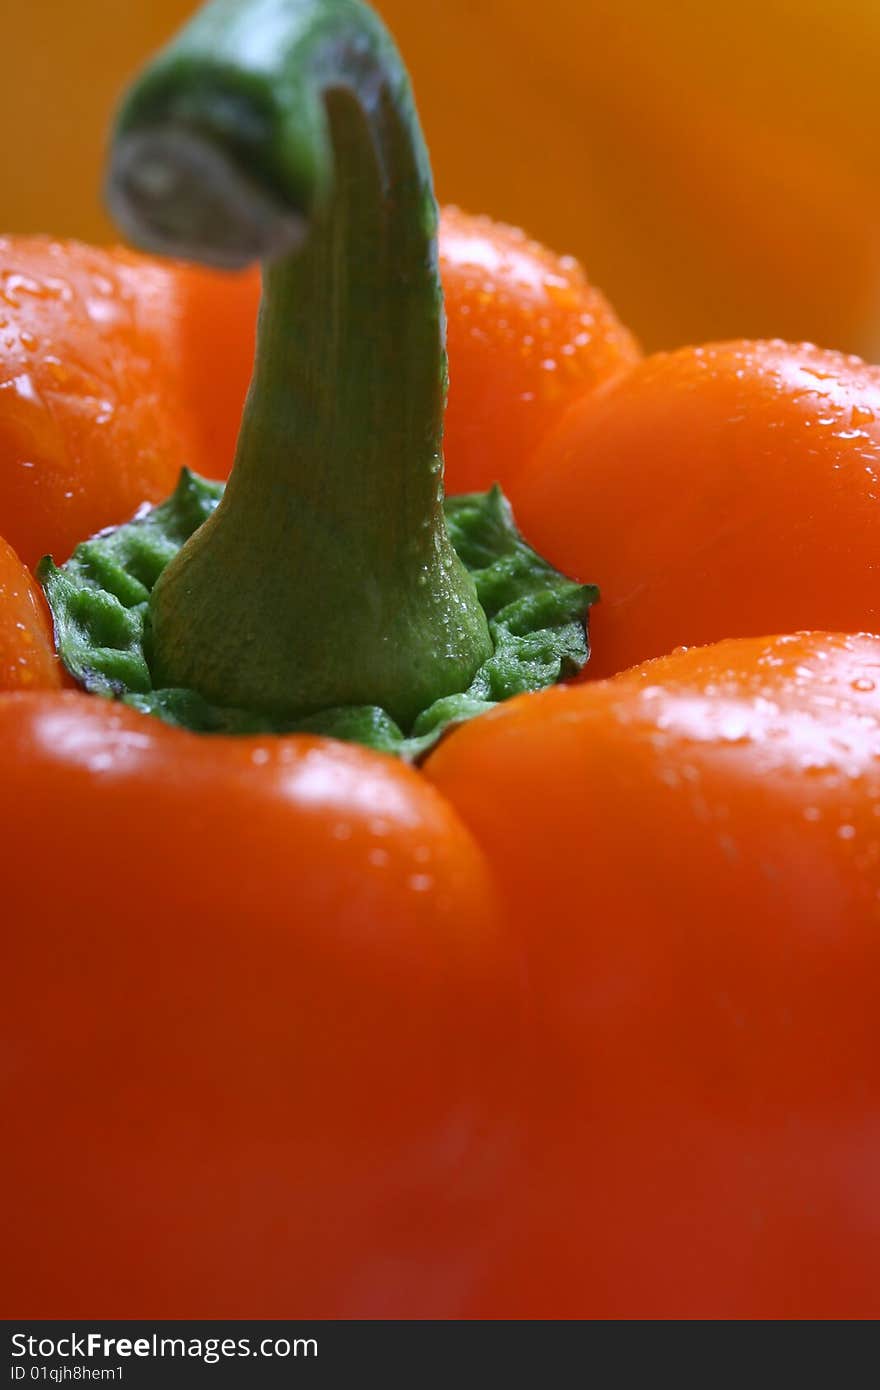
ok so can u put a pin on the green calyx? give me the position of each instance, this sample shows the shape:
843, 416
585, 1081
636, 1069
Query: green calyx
326, 588
100, 600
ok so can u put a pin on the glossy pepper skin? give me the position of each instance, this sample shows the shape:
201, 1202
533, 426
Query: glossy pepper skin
691, 855
116, 366
718, 491
113, 368
27, 650
270, 1019
275, 984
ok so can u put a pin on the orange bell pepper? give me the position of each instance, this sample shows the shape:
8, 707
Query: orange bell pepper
276, 980
714, 167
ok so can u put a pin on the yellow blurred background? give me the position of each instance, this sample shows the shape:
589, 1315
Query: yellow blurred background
715, 166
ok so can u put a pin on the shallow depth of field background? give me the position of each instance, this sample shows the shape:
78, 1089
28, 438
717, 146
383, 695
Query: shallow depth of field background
716, 167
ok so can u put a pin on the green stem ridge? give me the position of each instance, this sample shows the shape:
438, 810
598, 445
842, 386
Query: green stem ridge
285, 130
100, 600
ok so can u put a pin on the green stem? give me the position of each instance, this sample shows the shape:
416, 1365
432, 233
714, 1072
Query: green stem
285, 130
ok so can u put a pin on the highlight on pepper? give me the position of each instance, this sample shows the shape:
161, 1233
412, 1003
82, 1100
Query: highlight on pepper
390, 948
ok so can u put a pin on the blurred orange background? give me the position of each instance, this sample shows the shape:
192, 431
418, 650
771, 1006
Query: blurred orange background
714, 166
